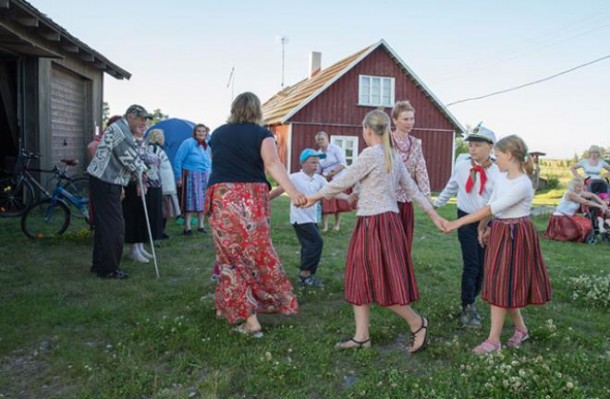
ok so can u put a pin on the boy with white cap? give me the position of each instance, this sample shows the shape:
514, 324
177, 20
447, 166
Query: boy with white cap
304, 220
472, 181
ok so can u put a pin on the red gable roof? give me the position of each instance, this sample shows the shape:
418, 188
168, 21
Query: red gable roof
286, 103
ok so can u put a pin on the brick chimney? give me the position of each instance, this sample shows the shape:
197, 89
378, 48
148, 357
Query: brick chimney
315, 63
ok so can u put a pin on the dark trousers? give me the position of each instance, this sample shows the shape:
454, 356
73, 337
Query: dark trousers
109, 226
311, 246
473, 256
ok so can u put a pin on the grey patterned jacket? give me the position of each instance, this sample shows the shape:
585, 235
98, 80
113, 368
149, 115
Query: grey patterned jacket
116, 158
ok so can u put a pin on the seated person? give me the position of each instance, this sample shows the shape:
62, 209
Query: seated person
603, 218
565, 224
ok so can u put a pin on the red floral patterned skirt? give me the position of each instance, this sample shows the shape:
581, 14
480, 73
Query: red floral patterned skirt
252, 279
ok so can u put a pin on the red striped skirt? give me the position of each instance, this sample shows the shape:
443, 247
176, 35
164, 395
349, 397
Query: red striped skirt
408, 221
515, 272
378, 267
252, 279
568, 228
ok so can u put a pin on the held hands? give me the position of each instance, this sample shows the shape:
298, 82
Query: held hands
299, 199
483, 236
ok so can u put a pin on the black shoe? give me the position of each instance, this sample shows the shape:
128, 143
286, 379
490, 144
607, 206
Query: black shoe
310, 281
116, 275
188, 232
165, 236
202, 230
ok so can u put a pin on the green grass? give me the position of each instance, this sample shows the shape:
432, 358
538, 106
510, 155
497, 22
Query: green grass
67, 334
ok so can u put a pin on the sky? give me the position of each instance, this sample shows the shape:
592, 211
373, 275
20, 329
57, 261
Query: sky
181, 53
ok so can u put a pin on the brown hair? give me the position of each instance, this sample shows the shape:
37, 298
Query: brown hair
400, 107
246, 108
515, 146
197, 126
379, 122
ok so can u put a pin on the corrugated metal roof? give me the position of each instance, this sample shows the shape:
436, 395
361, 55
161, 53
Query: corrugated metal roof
286, 103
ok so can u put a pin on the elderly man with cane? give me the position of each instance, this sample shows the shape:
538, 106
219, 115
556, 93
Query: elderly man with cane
115, 161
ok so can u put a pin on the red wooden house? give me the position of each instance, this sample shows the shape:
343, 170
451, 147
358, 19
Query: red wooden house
336, 99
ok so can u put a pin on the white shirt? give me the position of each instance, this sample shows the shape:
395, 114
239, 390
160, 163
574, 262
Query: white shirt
472, 201
566, 207
511, 198
593, 171
308, 185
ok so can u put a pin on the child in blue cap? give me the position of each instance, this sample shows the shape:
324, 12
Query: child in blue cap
305, 220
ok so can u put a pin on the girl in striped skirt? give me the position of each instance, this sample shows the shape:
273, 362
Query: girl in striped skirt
515, 273
378, 267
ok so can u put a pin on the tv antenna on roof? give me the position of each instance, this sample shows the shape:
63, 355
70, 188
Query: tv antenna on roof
284, 41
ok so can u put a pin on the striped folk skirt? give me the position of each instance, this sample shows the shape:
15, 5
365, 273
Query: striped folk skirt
378, 267
568, 228
193, 189
408, 221
252, 279
515, 272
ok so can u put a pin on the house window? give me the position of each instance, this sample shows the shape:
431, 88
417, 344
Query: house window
349, 145
376, 91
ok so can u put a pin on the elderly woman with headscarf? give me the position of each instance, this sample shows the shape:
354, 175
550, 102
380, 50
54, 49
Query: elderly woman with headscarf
192, 167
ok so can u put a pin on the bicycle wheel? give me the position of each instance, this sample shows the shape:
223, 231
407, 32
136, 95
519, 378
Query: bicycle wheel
78, 186
45, 219
15, 196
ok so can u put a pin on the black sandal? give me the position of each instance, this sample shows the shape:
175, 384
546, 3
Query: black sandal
424, 326
347, 344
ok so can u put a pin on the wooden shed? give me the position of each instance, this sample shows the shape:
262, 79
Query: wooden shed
51, 87
336, 99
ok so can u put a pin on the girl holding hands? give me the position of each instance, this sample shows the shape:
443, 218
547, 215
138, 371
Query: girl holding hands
515, 272
378, 265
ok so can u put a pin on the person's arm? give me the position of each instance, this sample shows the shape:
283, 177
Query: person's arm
481, 214
450, 190
588, 199
275, 167
181, 155
574, 169
276, 192
424, 202
421, 172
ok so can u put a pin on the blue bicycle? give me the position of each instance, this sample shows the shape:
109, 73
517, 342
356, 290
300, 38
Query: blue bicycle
51, 217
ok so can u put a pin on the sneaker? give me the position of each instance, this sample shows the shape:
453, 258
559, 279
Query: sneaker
517, 339
310, 281
488, 346
470, 317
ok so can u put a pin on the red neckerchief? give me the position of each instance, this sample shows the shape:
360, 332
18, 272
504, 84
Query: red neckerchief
473, 175
202, 143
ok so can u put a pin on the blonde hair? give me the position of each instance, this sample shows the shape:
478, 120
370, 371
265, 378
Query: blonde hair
515, 146
379, 122
155, 136
400, 107
574, 182
246, 108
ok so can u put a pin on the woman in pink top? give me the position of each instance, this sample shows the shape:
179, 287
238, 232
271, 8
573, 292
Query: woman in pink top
412, 155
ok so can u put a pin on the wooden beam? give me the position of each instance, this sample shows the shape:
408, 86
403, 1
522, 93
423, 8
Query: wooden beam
69, 46
86, 56
30, 22
51, 36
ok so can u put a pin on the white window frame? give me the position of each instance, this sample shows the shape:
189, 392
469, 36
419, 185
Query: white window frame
338, 140
366, 96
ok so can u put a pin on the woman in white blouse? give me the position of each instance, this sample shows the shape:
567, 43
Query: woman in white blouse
594, 166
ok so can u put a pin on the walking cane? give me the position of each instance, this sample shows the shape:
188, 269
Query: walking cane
152, 244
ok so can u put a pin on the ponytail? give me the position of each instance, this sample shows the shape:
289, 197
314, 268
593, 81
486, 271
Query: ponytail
379, 122
515, 145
